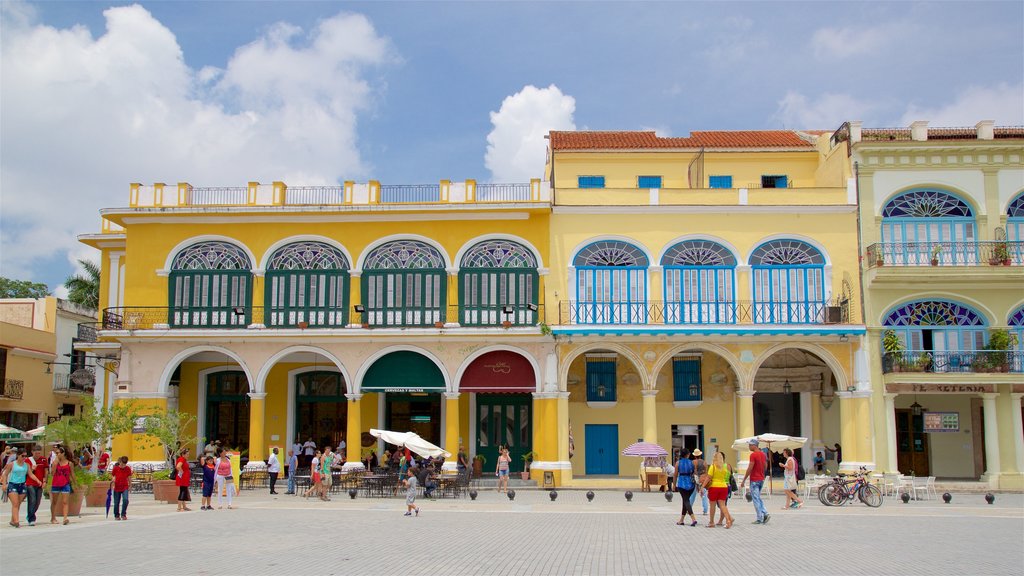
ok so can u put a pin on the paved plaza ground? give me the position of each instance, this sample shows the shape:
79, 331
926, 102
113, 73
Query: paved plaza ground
532, 535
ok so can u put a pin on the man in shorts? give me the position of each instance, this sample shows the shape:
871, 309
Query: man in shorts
326, 477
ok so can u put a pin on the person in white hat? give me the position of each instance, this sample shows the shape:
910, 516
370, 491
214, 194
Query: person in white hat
700, 468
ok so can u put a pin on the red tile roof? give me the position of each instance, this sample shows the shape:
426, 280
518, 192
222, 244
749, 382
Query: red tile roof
635, 140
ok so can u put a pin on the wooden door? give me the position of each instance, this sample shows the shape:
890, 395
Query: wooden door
911, 444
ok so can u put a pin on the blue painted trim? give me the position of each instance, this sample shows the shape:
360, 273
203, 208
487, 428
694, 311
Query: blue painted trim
596, 330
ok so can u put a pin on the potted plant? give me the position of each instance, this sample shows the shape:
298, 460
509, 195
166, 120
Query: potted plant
527, 460
438, 324
997, 355
506, 324
98, 486
1001, 253
170, 429
478, 465
894, 351
936, 250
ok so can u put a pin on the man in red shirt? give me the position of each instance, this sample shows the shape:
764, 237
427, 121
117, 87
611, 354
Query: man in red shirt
755, 471
122, 482
182, 481
39, 466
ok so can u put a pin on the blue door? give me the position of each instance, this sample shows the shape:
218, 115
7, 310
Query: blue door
602, 448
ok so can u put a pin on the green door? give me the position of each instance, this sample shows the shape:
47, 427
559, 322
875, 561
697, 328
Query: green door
503, 420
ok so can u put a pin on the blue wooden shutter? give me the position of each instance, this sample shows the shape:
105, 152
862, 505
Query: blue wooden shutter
649, 182
686, 383
720, 182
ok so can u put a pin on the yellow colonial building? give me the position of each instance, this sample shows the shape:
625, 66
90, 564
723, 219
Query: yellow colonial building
686, 291
942, 223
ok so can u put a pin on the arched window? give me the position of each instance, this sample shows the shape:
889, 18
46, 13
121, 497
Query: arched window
789, 283
498, 283
1016, 323
933, 331
307, 282
922, 225
404, 284
1015, 230
699, 283
210, 286
611, 284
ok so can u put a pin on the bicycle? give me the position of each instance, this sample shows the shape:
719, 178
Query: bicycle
840, 491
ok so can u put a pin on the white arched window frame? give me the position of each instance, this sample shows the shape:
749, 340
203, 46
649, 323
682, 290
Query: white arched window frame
789, 283
699, 278
611, 284
210, 286
307, 282
921, 225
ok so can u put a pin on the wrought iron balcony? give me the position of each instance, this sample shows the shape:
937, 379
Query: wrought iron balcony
87, 331
945, 254
687, 312
12, 389
78, 382
953, 362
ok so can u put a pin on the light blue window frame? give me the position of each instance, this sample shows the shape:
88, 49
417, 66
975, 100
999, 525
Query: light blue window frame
918, 225
601, 381
1015, 229
720, 181
789, 283
777, 180
699, 283
590, 181
1016, 324
648, 182
686, 380
615, 293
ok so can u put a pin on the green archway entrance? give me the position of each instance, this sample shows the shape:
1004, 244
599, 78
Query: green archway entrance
320, 409
227, 409
411, 385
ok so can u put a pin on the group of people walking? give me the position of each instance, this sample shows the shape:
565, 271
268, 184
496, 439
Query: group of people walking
24, 477
715, 484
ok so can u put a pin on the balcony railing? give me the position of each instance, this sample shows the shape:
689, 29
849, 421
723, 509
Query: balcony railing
87, 331
151, 317
409, 193
12, 389
64, 383
736, 312
945, 254
953, 362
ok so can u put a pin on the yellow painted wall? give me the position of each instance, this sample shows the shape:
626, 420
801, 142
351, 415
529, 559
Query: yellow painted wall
143, 446
951, 454
37, 389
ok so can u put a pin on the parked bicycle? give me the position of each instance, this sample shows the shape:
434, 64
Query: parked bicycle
840, 491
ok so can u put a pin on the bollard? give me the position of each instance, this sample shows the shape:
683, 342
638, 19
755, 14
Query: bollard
473, 494
590, 495
629, 496
553, 495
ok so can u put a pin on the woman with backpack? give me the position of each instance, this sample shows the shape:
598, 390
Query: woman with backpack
789, 481
685, 485
719, 474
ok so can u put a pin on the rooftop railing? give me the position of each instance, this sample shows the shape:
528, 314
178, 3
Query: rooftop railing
409, 193
219, 196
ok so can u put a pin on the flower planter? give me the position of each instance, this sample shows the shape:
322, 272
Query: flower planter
478, 468
525, 475
438, 324
165, 491
97, 495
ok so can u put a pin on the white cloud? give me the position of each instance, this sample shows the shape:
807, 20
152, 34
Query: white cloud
838, 43
82, 117
516, 145
1003, 104
797, 112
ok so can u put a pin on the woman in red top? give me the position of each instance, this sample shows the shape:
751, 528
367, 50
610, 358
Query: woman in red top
122, 482
60, 489
182, 481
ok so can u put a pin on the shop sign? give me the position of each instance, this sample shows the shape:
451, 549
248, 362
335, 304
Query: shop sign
940, 388
941, 421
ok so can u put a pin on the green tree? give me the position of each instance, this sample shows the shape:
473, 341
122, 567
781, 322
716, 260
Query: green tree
93, 427
22, 289
84, 289
170, 429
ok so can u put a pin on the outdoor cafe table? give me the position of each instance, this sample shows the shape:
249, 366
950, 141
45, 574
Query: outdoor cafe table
375, 484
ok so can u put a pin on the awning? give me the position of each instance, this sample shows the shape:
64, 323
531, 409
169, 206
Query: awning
403, 371
499, 371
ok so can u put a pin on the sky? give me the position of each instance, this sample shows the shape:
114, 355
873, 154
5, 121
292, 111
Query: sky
96, 95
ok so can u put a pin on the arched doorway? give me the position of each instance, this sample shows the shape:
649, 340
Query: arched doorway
501, 382
227, 408
410, 386
795, 390
320, 409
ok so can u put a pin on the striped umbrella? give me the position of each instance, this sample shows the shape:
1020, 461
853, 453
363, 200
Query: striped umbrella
645, 449
8, 433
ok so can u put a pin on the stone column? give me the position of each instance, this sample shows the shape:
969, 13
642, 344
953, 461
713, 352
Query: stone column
992, 464
1018, 426
451, 430
257, 411
650, 415
354, 433
744, 424
848, 431
890, 433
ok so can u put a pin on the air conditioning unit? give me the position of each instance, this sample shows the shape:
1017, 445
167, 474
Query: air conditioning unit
833, 314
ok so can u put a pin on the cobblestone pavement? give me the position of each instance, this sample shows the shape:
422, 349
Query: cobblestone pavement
532, 535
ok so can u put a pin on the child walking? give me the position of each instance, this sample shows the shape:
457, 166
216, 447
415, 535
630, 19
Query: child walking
122, 482
410, 494
209, 478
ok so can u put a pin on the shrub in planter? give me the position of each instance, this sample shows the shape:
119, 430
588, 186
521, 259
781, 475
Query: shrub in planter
97, 493
478, 465
164, 489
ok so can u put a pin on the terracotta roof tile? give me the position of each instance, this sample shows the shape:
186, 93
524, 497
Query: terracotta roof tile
634, 140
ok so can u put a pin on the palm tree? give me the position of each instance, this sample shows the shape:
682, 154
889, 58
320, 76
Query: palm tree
85, 289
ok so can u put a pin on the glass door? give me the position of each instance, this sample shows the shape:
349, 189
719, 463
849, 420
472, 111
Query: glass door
503, 420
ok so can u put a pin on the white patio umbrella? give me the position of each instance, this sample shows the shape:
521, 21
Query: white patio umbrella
411, 440
8, 433
36, 433
774, 443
